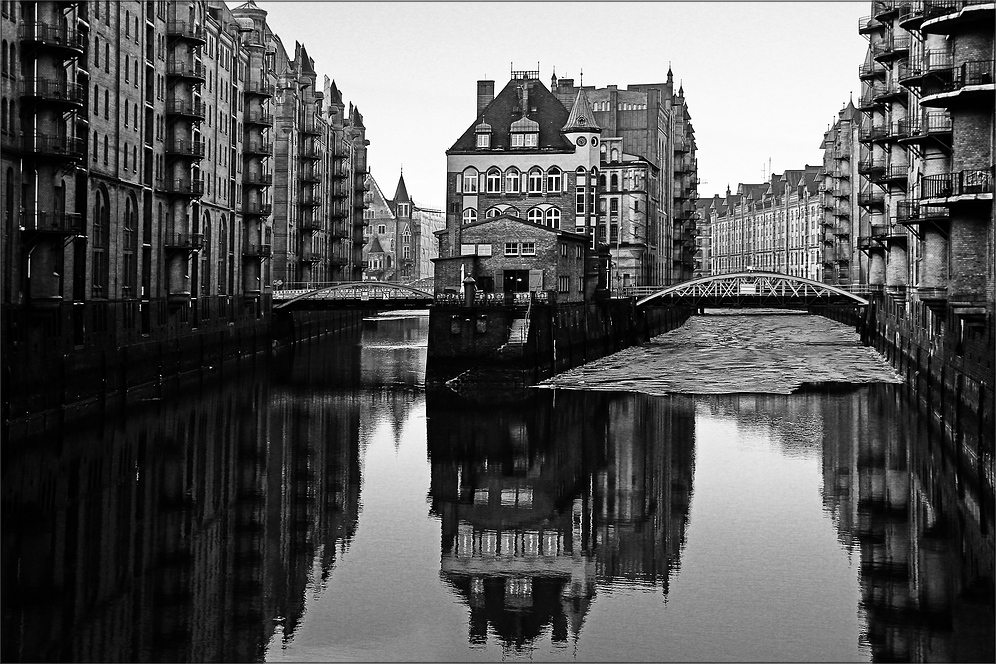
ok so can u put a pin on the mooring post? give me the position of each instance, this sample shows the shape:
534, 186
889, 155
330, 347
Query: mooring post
469, 291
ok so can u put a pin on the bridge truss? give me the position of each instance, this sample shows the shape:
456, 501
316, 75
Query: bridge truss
753, 289
349, 292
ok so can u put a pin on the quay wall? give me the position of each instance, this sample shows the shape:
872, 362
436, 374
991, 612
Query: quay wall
949, 368
469, 349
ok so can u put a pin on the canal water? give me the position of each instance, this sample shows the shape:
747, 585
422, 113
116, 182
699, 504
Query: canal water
745, 488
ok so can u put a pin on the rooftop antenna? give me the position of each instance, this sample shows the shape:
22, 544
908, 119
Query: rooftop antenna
582, 78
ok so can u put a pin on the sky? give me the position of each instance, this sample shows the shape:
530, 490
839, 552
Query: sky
763, 80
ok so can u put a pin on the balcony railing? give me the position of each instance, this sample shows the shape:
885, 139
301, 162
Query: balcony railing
869, 133
871, 199
870, 168
867, 24
254, 208
59, 147
54, 90
310, 152
184, 30
258, 250
258, 88
912, 212
258, 148
933, 123
56, 36
310, 177
259, 118
891, 47
869, 98
972, 73
311, 127
184, 187
178, 240
185, 147
962, 183
309, 200
48, 221
871, 70
310, 256
190, 109
263, 179
937, 8
194, 70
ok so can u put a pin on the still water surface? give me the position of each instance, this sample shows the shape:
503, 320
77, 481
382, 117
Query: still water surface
330, 509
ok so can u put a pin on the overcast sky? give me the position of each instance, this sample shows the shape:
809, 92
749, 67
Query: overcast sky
763, 80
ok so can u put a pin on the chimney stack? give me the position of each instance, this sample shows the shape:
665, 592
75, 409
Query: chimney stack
485, 95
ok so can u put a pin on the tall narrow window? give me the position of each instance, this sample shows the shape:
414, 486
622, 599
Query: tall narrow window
494, 181
130, 242
535, 181
512, 181
101, 223
553, 180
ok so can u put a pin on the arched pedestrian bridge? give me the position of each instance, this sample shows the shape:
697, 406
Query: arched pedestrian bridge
751, 289
381, 294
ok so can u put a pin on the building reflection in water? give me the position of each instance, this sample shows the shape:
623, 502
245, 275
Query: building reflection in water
542, 499
183, 529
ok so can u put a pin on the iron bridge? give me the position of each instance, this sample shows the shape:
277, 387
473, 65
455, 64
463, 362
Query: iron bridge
752, 289
381, 294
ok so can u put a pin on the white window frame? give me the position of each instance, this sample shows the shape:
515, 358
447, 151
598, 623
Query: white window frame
493, 181
534, 181
469, 215
535, 215
554, 180
532, 140
527, 248
513, 181
553, 218
484, 140
511, 248
470, 181
518, 140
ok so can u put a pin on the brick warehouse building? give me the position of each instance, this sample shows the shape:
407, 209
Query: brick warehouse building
138, 201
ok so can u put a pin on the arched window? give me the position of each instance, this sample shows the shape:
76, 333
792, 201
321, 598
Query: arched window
614, 182
469, 216
535, 181
512, 181
601, 181
222, 253
96, 49
101, 224
535, 215
470, 181
205, 275
96, 99
494, 181
553, 218
614, 155
3, 59
130, 245
107, 105
105, 150
554, 180
492, 212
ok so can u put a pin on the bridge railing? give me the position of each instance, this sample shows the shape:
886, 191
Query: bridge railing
499, 299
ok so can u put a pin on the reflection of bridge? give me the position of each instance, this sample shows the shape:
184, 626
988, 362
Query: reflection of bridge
359, 293
750, 289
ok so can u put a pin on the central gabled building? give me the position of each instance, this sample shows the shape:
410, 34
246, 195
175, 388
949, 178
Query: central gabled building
527, 157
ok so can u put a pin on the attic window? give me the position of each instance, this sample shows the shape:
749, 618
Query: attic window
484, 140
525, 140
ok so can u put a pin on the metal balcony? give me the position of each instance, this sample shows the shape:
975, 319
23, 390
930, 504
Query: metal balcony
179, 241
869, 98
870, 168
976, 74
891, 48
871, 71
257, 209
978, 182
192, 110
258, 118
53, 91
885, 9
310, 223
912, 213
311, 128
309, 200
945, 15
911, 15
194, 71
258, 89
310, 257
183, 187
890, 91
868, 25
258, 148
54, 147
186, 31
871, 133
310, 152
892, 175
180, 147
871, 199
63, 39
49, 222
309, 177
258, 250
263, 179
934, 126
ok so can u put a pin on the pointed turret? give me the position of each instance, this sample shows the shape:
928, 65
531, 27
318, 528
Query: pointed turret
401, 193
582, 117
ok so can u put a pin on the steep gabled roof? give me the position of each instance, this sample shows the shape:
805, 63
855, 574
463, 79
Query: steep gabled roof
506, 108
375, 246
